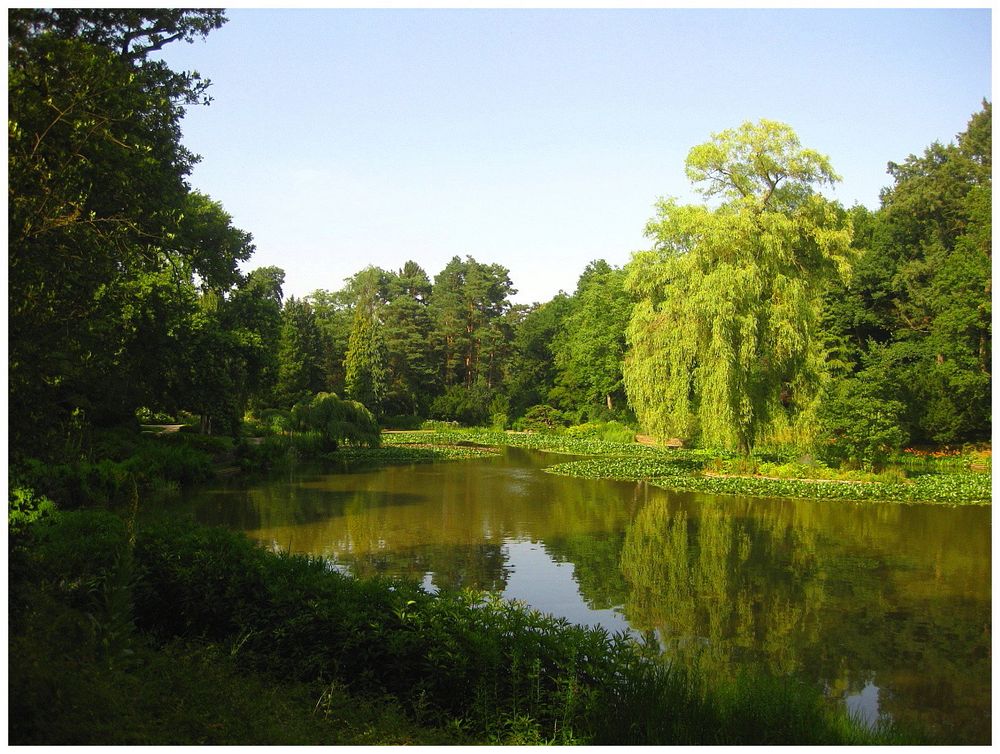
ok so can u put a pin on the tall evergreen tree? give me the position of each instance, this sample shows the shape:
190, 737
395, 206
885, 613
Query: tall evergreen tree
300, 354
407, 327
467, 298
334, 316
365, 373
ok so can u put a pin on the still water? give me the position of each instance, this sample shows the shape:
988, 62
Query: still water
887, 606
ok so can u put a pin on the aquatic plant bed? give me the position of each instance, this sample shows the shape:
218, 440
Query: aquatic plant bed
956, 488
682, 469
422, 453
551, 443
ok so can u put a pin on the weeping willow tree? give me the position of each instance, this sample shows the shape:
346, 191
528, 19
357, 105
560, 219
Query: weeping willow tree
338, 421
724, 334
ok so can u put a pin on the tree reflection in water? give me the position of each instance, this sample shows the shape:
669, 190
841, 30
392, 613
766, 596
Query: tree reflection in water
886, 605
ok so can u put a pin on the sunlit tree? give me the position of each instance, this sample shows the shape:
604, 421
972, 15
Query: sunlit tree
724, 331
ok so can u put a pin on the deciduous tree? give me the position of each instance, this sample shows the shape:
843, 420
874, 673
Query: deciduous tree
725, 326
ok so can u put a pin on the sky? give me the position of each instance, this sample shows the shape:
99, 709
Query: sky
542, 139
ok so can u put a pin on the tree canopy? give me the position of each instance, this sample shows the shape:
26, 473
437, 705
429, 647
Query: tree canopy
724, 333
101, 221
766, 308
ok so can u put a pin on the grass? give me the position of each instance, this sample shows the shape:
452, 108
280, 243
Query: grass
180, 634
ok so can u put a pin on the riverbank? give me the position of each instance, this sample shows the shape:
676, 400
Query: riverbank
88, 624
176, 634
951, 481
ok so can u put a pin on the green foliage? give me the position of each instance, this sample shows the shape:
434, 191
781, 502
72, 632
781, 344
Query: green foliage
859, 427
435, 424
253, 313
589, 348
24, 507
266, 422
508, 673
561, 442
366, 377
611, 431
682, 469
626, 468
149, 463
105, 235
918, 310
532, 371
337, 421
467, 302
541, 418
407, 324
65, 691
411, 453
186, 693
405, 421
467, 405
728, 300
300, 354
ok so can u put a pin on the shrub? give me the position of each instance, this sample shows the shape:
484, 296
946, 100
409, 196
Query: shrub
337, 421
610, 431
151, 462
148, 416
470, 406
510, 674
24, 507
541, 418
858, 426
267, 421
437, 424
177, 459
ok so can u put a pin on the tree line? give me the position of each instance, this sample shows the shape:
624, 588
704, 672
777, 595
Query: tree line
767, 314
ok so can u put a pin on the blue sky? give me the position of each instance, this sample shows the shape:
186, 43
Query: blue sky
540, 140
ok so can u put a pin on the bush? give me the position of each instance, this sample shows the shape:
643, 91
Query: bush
509, 673
24, 507
182, 459
337, 421
610, 431
267, 421
541, 418
470, 406
859, 427
436, 425
108, 481
148, 416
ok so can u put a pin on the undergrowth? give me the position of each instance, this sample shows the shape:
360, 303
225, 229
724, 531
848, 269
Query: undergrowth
184, 634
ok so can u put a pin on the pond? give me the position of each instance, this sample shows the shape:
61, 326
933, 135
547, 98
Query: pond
887, 606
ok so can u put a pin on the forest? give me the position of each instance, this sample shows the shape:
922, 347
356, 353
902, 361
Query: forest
767, 317
127, 293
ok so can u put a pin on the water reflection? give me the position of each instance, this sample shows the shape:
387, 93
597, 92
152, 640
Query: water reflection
865, 599
536, 578
887, 606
